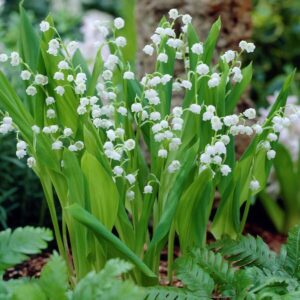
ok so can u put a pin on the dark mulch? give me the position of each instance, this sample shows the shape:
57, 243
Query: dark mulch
29, 268
33, 266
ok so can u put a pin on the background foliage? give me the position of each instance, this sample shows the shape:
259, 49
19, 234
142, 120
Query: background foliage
276, 33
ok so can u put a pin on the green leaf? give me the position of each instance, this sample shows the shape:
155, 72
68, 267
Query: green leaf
249, 251
14, 106
126, 9
30, 240
270, 285
29, 41
193, 38
5, 293
193, 277
227, 218
252, 164
238, 89
74, 178
214, 265
286, 176
77, 194
103, 234
30, 52
54, 278
69, 101
107, 284
98, 66
170, 207
196, 202
102, 191
165, 91
220, 92
280, 102
211, 41
79, 61
28, 290
16, 245
171, 293
93, 145
292, 264
134, 89
16, 109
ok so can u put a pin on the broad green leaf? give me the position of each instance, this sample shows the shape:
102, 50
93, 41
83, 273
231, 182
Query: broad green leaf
134, 89
172, 293
30, 53
237, 90
102, 191
193, 38
103, 234
93, 145
69, 101
74, 178
30, 240
29, 42
108, 284
17, 245
16, 109
227, 219
219, 93
165, 91
77, 194
14, 106
231, 162
292, 263
79, 62
54, 278
48, 192
211, 41
285, 173
193, 211
170, 206
98, 66
194, 277
280, 102
28, 290
126, 10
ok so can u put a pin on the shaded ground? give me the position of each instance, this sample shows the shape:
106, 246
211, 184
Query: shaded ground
33, 266
29, 268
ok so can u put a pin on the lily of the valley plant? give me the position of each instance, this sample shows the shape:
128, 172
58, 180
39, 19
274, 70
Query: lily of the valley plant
120, 157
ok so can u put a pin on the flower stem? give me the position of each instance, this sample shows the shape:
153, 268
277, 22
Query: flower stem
171, 253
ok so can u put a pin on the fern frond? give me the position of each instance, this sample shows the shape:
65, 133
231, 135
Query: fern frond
171, 293
214, 264
106, 286
230, 282
54, 278
53, 284
16, 245
292, 262
193, 277
249, 251
116, 267
263, 280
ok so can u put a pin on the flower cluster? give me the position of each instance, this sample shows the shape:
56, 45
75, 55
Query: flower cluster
110, 113
6, 125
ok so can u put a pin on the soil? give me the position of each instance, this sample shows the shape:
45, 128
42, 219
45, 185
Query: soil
29, 268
